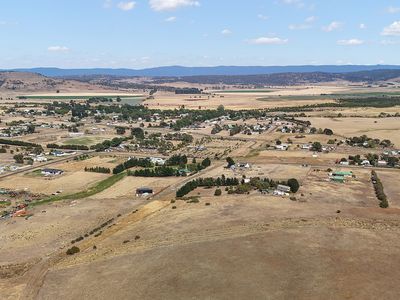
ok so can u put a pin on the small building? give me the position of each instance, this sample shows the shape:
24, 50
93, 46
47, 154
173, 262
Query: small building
184, 172
283, 188
244, 165
157, 161
382, 163
342, 174
51, 172
282, 147
340, 179
365, 163
144, 191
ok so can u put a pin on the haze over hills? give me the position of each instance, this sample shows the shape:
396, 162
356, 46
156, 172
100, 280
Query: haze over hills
201, 71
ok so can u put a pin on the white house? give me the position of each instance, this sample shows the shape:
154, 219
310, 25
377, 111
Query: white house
157, 161
282, 147
51, 172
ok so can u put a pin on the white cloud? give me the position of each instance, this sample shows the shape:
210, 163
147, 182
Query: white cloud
170, 19
269, 41
392, 30
58, 49
393, 10
351, 42
311, 19
226, 32
126, 5
332, 26
262, 17
160, 5
363, 26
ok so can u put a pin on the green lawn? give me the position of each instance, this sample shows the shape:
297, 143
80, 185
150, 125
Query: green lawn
86, 141
95, 189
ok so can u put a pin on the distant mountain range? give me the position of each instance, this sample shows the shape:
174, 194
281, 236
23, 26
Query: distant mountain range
176, 71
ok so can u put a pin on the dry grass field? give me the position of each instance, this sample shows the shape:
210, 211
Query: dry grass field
69, 182
238, 248
383, 128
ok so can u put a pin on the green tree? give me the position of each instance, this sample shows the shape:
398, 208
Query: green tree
294, 185
19, 158
138, 133
230, 162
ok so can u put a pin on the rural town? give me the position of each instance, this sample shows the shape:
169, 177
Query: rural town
199, 182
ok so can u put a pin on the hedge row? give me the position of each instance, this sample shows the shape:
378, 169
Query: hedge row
98, 170
380, 193
67, 147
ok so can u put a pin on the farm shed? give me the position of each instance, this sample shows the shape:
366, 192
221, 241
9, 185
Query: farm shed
144, 191
283, 188
52, 172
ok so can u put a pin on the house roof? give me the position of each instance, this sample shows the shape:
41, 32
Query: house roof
52, 171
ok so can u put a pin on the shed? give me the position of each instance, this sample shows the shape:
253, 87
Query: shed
144, 191
52, 172
338, 179
283, 188
343, 173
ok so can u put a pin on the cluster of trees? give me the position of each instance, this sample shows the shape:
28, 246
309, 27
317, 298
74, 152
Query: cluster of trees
184, 137
236, 186
98, 170
235, 130
133, 162
216, 129
120, 130
99, 100
137, 132
188, 91
380, 193
19, 143
177, 160
68, 147
162, 171
367, 142
115, 142
19, 158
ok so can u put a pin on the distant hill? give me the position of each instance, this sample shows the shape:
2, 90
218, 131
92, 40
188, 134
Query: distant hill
12, 81
174, 71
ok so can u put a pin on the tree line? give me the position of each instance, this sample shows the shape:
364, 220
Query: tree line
98, 170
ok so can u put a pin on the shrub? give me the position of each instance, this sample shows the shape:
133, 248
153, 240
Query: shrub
73, 250
294, 185
218, 192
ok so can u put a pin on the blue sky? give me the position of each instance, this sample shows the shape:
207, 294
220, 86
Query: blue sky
146, 33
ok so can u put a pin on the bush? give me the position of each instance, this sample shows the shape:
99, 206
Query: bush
294, 185
218, 192
73, 250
